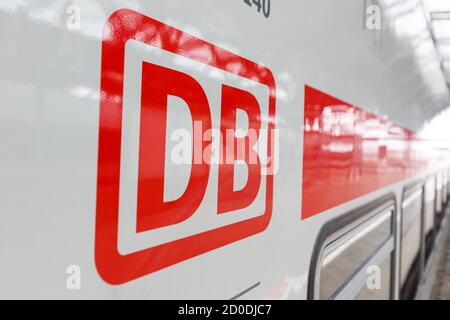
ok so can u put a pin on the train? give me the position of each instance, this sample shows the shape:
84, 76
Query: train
212, 149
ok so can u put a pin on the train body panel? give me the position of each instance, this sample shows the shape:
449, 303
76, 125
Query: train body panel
79, 164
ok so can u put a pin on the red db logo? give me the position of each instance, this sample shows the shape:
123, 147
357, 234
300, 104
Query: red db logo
185, 147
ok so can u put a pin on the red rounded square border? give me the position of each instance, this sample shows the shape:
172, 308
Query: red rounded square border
122, 25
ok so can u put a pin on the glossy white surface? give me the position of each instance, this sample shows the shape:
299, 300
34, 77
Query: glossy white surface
49, 84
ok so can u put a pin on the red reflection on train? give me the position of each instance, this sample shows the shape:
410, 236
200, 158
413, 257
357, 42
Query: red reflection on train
349, 152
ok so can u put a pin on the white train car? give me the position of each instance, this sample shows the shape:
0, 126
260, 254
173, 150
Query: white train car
212, 149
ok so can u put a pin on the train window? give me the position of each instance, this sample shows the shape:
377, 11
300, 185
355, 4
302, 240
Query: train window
411, 236
439, 192
429, 214
445, 186
349, 248
439, 200
448, 183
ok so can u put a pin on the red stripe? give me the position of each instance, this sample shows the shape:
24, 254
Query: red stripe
349, 152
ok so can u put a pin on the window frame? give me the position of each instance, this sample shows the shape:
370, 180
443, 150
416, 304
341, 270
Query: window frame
409, 289
438, 197
341, 229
